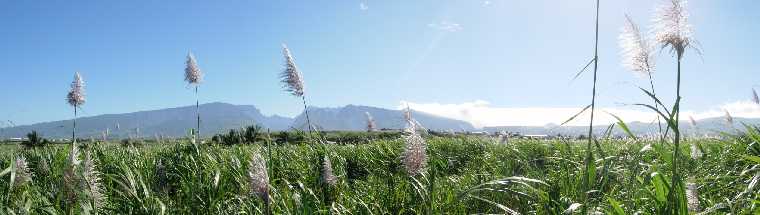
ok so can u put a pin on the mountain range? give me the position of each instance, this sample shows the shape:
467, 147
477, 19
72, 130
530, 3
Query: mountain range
219, 117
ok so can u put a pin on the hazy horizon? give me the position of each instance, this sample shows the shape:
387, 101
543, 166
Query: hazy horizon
553, 116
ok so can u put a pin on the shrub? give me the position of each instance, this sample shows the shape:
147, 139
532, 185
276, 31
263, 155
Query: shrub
129, 142
34, 140
248, 135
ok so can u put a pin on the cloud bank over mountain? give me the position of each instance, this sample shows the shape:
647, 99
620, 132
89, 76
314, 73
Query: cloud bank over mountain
482, 114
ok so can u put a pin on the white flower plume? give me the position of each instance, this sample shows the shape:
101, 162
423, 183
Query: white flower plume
23, 174
414, 157
76, 96
92, 182
695, 152
371, 126
291, 77
193, 74
327, 172
258, 177
692, 197
672, 28
411, 123
692, 121
70, 177
637, 52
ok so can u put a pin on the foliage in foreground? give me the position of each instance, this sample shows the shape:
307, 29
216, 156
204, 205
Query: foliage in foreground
464, 175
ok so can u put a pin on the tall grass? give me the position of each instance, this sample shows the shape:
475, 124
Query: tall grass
672, 31
258, 177
371, 125
638, 57
412, 174
589, 175
76, 98
193, 77
292, 81
472, 175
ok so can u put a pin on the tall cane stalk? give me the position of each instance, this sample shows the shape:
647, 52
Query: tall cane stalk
198, 114
589, 154
74, 130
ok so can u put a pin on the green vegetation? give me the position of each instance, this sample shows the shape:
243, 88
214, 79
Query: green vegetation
463, 175
34, 140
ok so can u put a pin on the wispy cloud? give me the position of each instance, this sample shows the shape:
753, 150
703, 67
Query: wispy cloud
481, 113
363, 6
487, 3
744, 109
446, 26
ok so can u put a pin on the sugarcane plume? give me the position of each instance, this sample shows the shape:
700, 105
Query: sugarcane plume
637, 52
70, 177
23, 174
692, 197
92, 182
414, 157
193, 74
672, 29
258, 177
692, 121
371, 126
291, 77
76, 95
695, 152
327, 172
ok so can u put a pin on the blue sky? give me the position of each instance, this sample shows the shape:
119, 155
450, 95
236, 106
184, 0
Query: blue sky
440, 55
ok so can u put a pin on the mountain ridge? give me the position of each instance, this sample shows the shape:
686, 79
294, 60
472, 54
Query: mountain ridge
218, 117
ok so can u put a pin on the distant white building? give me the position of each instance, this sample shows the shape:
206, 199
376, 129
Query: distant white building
485, 133
536, 136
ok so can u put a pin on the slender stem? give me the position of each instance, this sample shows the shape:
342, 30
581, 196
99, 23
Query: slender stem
589, 153
74, 131
678, 90
198, 113
267, 209
430, 190
269, 161
675, 181
657, 106
306, 111
596, 65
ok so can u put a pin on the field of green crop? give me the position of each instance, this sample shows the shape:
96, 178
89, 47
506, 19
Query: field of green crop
462, 175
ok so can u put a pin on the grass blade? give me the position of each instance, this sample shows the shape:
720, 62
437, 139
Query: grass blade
623, 126
583, 70
576, 115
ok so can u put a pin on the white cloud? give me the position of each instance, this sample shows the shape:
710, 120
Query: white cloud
363, 6
446, 26
486, 3
744, 109
480, 113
